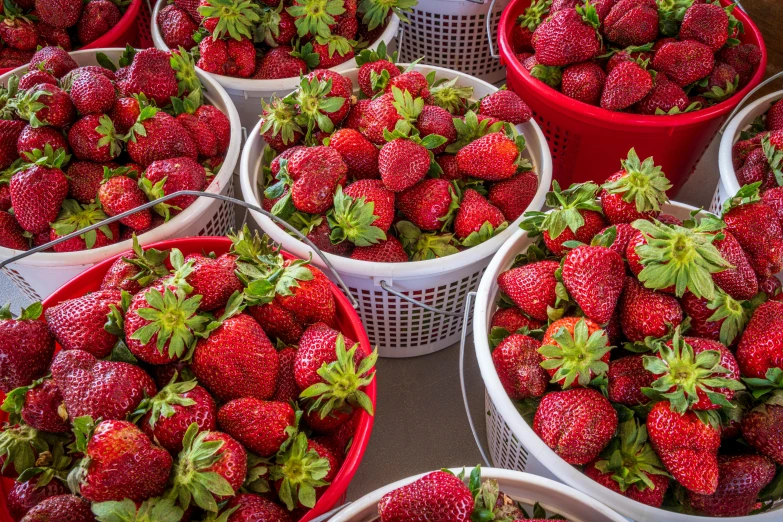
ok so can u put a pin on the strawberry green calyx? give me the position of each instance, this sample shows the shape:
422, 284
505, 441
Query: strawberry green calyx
154, 192
192, 480
315, 16
125, 60
148, 112
578, 357
485, 497
257, 474
485, 233
75, 216
8, 97
54, 159
695, 106
735, 26
185, 71
284, 207
305, 222
375, 12
109, 136
179, 273
27, 105
351, 219
49, 466
336, 44
683, 374
32, 312
268, 27
771, 383
631, 459
718, 93
407, 106
251, 247
313, 101
375, 55
280, 119
644, 183
150, 263
341, 390
235, 17
222, 517
590, 16
161, 404
680, 257
534, 14
152, 510
735, 315
422, 246
269, 278
566, 205
775, 160
746, 194
446, 94
115, 319
670, 15
471, 129
549, 74
19, 446
300, 471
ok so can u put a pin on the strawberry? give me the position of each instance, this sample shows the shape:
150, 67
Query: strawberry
522, 33
434, 120
355, 115
75, 216
437, 497
684, 62
277, 322
363, 213
218, 123
59, 13
246, 507
279, 127
32, 138
505, 106
493, 157
584, 82
287, 390
513, 196
594, 276
65, 508
17, 31
173, 410
635, 192
276, 27
774, 119
122, 463
450, 96
518, 364
26, 347
757, 229
687, 447
430, 205
632, 22
740, 480
280, 62
11, 234
158, 136
53, 59
647, 313
632, 468
46, 104
260, 426
136, 269
78, 324
403, 163
666, 97
120, 192
477, 219
756, 169
84, 179
358, 153
100, 389
761, 345
227, 57
34, 77
744, 58
574, 347
761, 428
93, 138
383, 113
627, 84
177, 27
150, 73
336, 100
167, 176
124, 114
40, 405
721, 319
237, 360
512, 320
9, 134
375, 70
332, 50
92, 93
214, 280
721, 84
38, 191
627, 378
389, 250
770, 286
568, 36
740, 281
577, 424
706, 23
300, 467
531, 287
23, 496
411, 81
773, 198
312, 175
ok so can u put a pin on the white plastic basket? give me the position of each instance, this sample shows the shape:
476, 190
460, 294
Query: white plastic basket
522, 487
247, 93
512, 442
38, 275
727, 183
398, 326
452, 34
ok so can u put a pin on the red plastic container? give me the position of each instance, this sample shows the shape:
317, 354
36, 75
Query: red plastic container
347, 322
121, 34
587, 142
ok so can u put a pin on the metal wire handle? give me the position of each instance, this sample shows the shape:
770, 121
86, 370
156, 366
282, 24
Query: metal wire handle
326, 516
411, 300
746, 98
488, 23
468, 307
195, 193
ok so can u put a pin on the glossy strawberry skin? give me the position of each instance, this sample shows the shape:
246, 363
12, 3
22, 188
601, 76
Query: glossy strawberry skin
518, 364
426, 203
37, 194
474, 212
178, 173
436, 497
564, 38
42, 406
650, 497
165, 138
169, 431
512, 319
741, 478
531, 287
645, 312
63, 508
150, 73
23, 496
287, 390
213, 279
627, 376
402, 163
763, 429
317, 347
358, 153
758, 230
277, 322
739, 282
761, 346
255, 507
491, 157
258, 425
632, 22
594, 277
388, 251
26, 349
78, 324
119, 194
312, 301
594, 223
684, 62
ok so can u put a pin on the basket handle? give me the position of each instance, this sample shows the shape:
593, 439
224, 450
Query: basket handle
195, 193
488, 23
468, 309
326, 516
411, 300
747, 98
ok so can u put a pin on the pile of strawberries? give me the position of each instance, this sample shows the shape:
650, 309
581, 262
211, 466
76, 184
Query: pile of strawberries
413, 170
646, 350
79, 144
441, 496
273, 39
186, 388
639, 56
758, 155
26, 25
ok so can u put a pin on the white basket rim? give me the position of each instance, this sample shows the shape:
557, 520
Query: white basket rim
542, 166
214, 92
281, 84
522, 431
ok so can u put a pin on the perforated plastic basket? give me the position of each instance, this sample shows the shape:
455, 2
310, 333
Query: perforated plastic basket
522, 487
512, 442
452, 34
41, 274
586, 140
397, 326
247, 93
347, 322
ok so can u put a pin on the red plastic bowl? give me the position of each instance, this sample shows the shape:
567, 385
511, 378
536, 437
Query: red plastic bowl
587, 142
347, 322
118, 36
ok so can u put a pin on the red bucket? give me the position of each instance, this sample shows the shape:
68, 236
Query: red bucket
348, 322
118, 36
587, 142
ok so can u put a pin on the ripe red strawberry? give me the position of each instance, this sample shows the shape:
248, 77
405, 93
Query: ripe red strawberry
332, 50
351, 220
635, 192
518, 364
18, 32
26, 347
627, 377
59, 13
309, 93
173, 410
177, 27
75, 216
237, 360
531, 287
227, 57
279, 62
167, 176
568, 36
65, 508
93, 138
632, 22
477, 219
512, 319
277, 322
774, 119
383, 113
9, 134
434, 120
647, 313
773, 198
574, 351
150, 73
100, 389
34, 77
313, 173
11, 234
375, 70
38, 191
665, 97
437, 497
358, 153
23, 496
594, 276
744, 58
53, 59
246, 507
278, 127
739, 282
430, 204
403, 163
686, 446
706, 23
513, 196
756, 169
287, 390
412, 81
46, 104
684, 62
119, 193
761, 428
260, 426
124, 114
740, 480
761, 345
627, 84
387, 251
492, 157
84, 179
213, 279
32, 138
758, 230
135, 270
505, 106
577, 424
703, 324
522, 33
584, 82
355, 115
158, 136
92, 93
